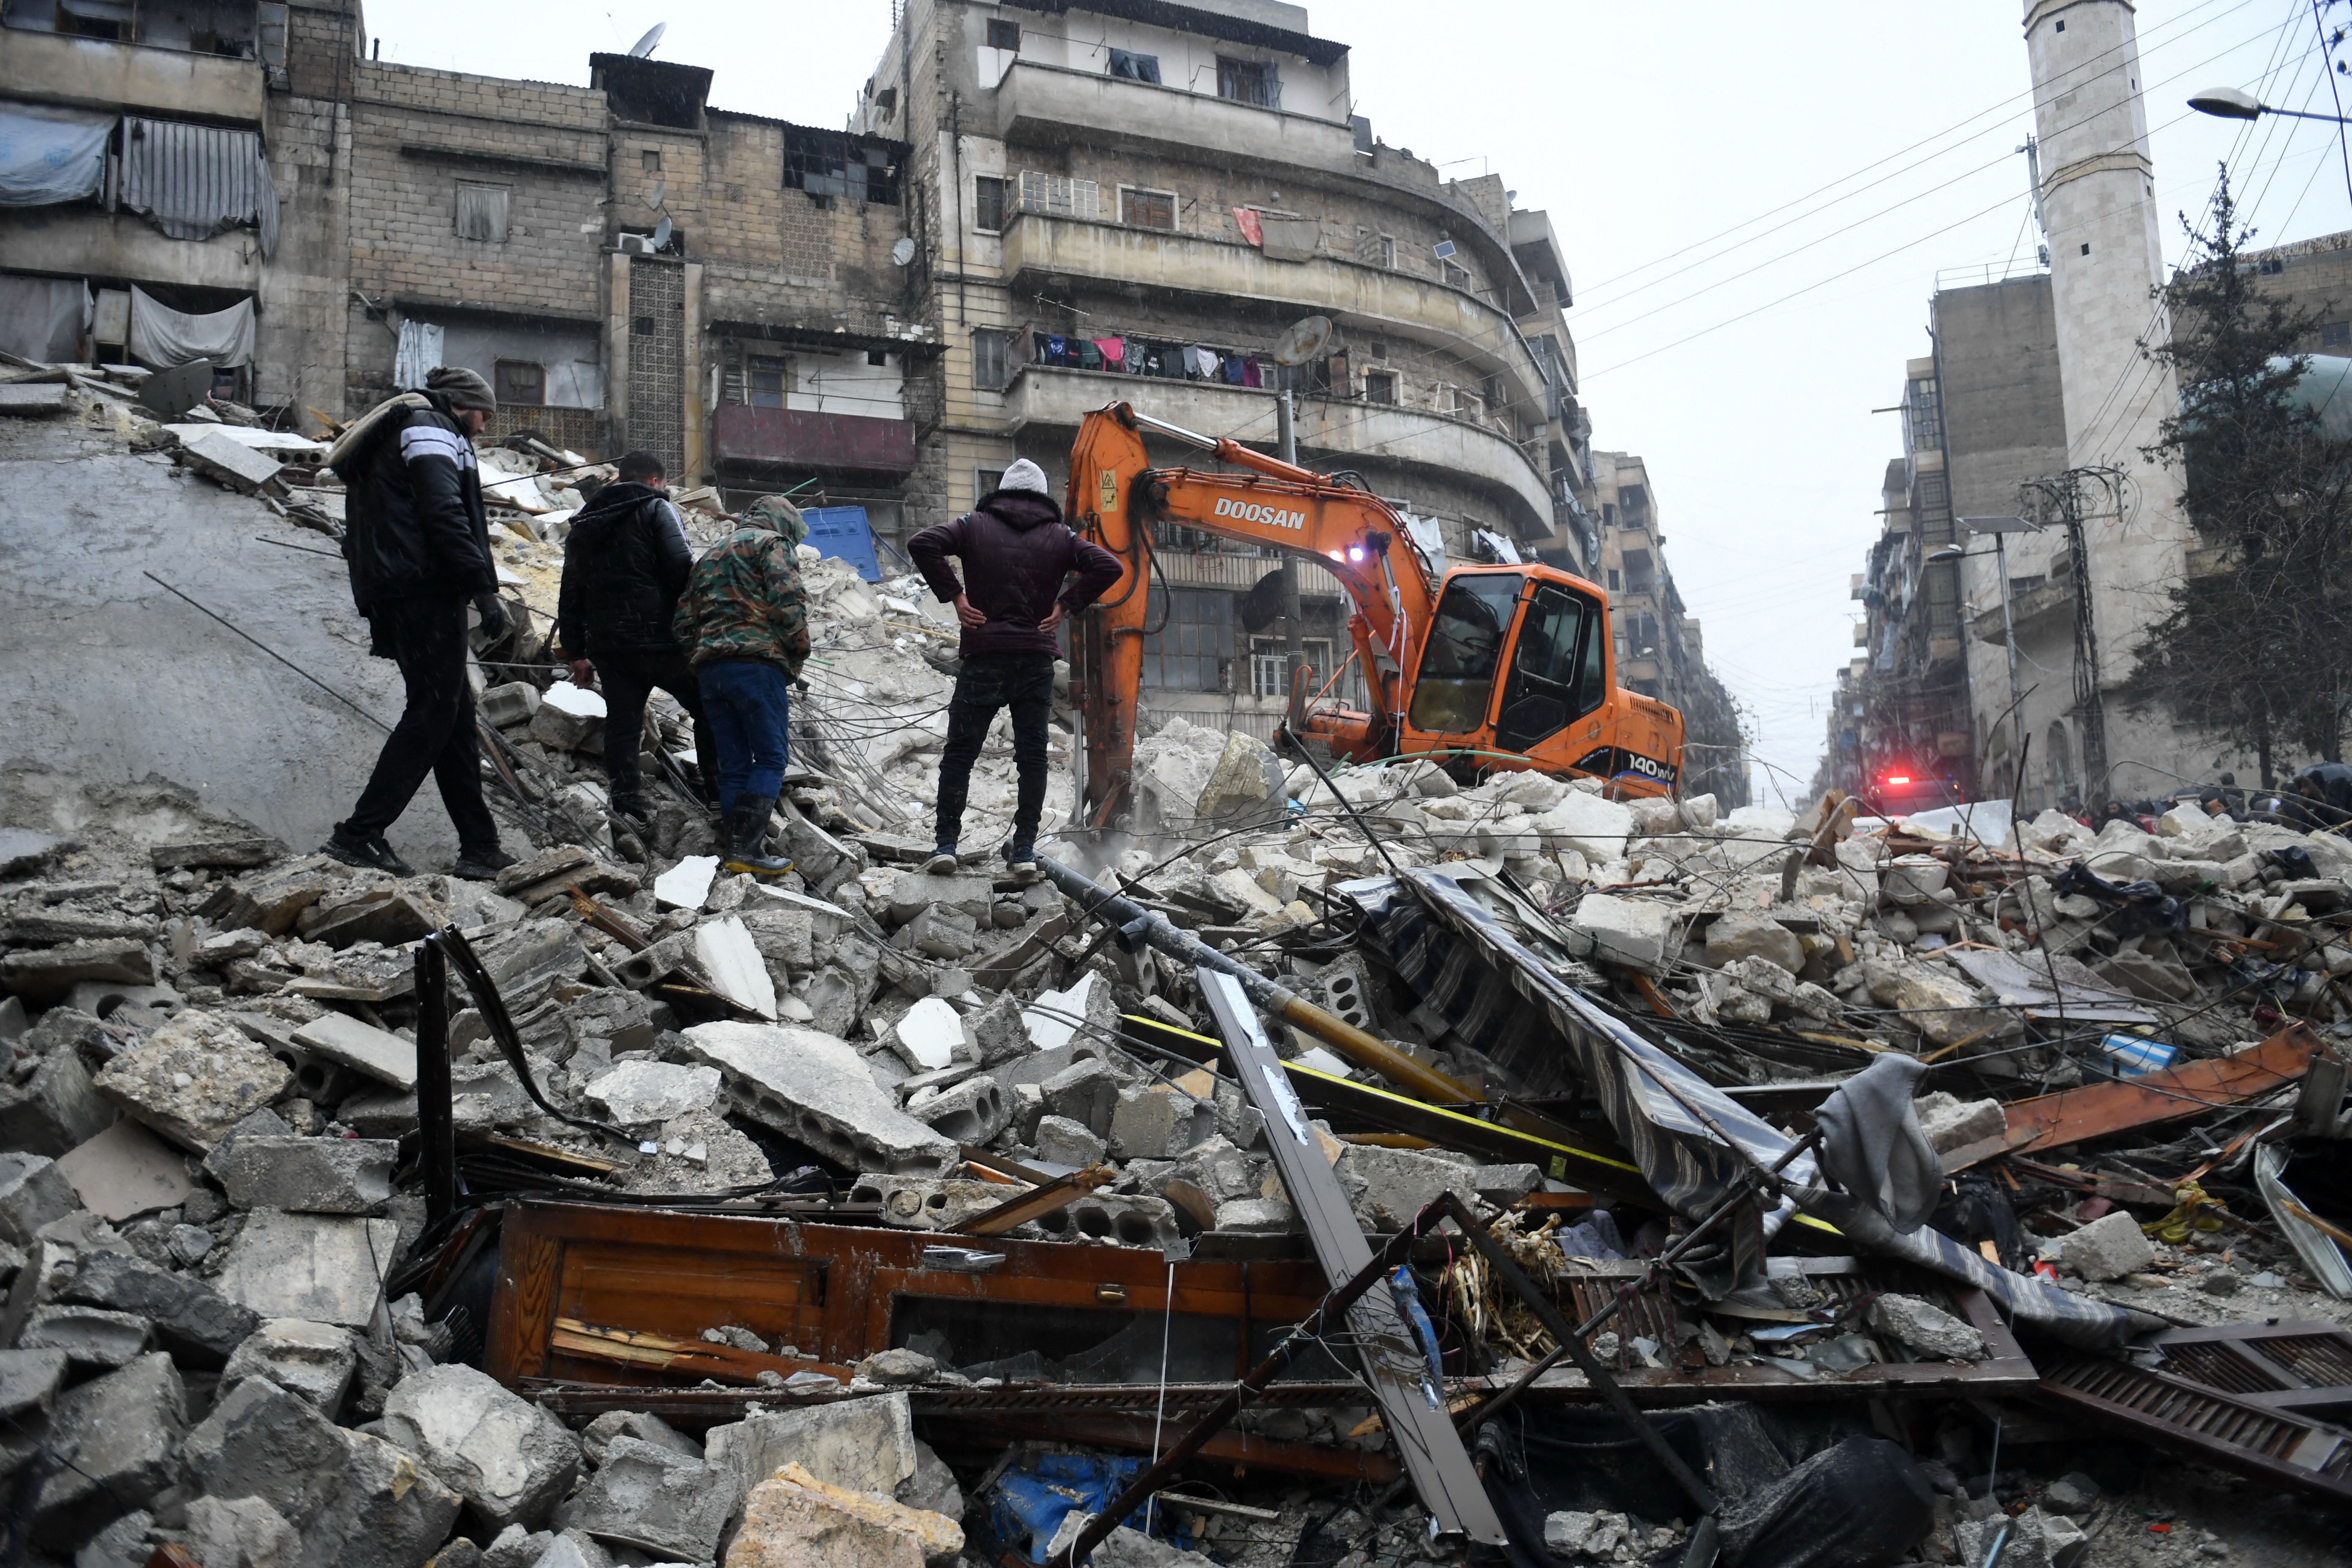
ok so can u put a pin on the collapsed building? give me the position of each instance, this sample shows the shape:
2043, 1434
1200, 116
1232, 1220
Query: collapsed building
1360, 1164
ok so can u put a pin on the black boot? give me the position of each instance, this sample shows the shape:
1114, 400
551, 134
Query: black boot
747, 826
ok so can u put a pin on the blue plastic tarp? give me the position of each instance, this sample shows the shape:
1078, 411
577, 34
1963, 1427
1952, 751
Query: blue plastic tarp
50, 155
1031, 1499
843, 533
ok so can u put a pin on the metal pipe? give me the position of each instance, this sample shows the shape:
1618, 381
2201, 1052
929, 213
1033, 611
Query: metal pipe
1294, 618
1137, 923
436, 1129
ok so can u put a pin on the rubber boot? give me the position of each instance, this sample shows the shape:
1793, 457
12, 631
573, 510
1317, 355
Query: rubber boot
747, 826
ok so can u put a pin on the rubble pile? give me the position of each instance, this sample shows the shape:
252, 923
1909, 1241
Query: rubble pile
864, 1215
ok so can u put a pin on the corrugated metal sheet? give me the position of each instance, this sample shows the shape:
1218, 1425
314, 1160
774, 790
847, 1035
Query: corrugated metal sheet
196, 180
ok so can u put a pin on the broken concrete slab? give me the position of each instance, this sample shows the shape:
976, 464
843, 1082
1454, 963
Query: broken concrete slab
1064, 1140
929, 1034
235, 853
504, 707
192, 1321
388, 1510
240, 1532
2107, 1249
317, 1267
1954, 1123
1926, 1328
91, 1337
193, 1078
795, 1520
229, 462
637, 1093
569, 719
260, 1440
510, 1460
644, 1426
654, 1499
1635, 932
45, 975
24, 851
1739, 935
865, 1444
32, 1191
1157, 1123
315, 1361
119, 1436
973, 1111
392, 921
731, 958
815, 1087
1085, 1092
29, 1381
911, 893
307, 1175
686, 885
55, 1110
362, 1047
126, 1171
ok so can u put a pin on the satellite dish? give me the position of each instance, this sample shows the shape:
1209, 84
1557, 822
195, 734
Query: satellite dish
661, 232
643, 47
661, 190
903, 252
1304, 341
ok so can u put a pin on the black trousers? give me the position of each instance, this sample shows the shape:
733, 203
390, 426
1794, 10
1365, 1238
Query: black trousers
1024, 683
426, 637
629, 677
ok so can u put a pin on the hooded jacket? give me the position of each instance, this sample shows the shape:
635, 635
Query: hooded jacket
413, 524
624, 564
1016, 552
743, 599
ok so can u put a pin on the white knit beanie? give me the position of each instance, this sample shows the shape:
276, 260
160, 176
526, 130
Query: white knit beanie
1023, 475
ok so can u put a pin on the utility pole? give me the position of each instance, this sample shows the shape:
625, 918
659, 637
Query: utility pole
2064, 493
1294, 618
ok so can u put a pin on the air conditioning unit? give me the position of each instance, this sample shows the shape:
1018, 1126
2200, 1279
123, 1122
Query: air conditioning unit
637, 244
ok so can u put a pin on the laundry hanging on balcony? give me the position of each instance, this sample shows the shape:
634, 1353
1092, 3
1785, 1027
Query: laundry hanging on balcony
50, 155
162, 337
196, 180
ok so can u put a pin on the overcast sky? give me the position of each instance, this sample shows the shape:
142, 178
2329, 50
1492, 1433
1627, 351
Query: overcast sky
1756, 204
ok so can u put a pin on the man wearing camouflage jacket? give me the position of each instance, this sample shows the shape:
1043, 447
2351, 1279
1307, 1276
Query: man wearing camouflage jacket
742, 622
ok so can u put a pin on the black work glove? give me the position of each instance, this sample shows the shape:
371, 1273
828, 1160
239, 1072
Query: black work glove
493, 612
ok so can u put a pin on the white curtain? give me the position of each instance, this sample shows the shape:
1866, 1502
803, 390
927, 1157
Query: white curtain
44, 318
162, 337
419, 355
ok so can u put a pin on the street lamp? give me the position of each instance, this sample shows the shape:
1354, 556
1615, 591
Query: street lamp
2231, 103
2000, 528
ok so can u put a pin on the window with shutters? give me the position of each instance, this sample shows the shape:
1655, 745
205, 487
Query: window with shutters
1147, 209
482, 211
988, 203
520, 384
1256, 82
1379, 387
768, 381
1058, 195
991, 365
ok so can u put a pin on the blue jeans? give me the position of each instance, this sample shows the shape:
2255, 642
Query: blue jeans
746, 703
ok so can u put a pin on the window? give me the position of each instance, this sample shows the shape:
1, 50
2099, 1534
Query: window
2269, 266
2336, 335
1249, 81
828, 163
1616, 580
1387, 251
1544, 693
988, 203
991, 365
1379, 387
1194, 642
768, 380
651, 157
481, 212
1147, 209
1638, 578
520, 381
1058, 195
1270, 665
1465, 644
1130, 66
987, 481
1456, 277
1004, 35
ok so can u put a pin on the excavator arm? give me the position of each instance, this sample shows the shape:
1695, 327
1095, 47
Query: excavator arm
1116, 497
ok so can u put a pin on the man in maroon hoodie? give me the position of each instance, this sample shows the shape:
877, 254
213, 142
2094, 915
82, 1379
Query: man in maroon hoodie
1016, 552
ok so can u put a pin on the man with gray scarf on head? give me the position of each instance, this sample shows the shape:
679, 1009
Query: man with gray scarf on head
418, 546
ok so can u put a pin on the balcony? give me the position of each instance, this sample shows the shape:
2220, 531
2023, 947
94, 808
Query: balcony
2036, 611
84, 241
1396, 304
58, 69
1330, 429
1239, 572
794, 438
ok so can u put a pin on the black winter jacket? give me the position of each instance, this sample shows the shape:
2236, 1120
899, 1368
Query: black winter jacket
625, 564
413, 525
1017, 553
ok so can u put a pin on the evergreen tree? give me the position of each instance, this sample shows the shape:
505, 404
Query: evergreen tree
2255, 651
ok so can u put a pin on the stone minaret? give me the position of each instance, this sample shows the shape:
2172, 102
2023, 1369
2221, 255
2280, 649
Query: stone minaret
2107, 259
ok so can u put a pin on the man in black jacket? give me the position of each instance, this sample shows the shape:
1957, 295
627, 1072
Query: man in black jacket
624, 564
418, 546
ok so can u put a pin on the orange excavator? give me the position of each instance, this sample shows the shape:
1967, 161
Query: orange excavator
1495, 668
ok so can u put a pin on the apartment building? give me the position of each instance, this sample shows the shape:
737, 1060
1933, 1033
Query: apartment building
1659, 649
1134, 201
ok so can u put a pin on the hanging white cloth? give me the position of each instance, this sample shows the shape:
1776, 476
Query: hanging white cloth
44, 318
50, 155
162, 337
419, 355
